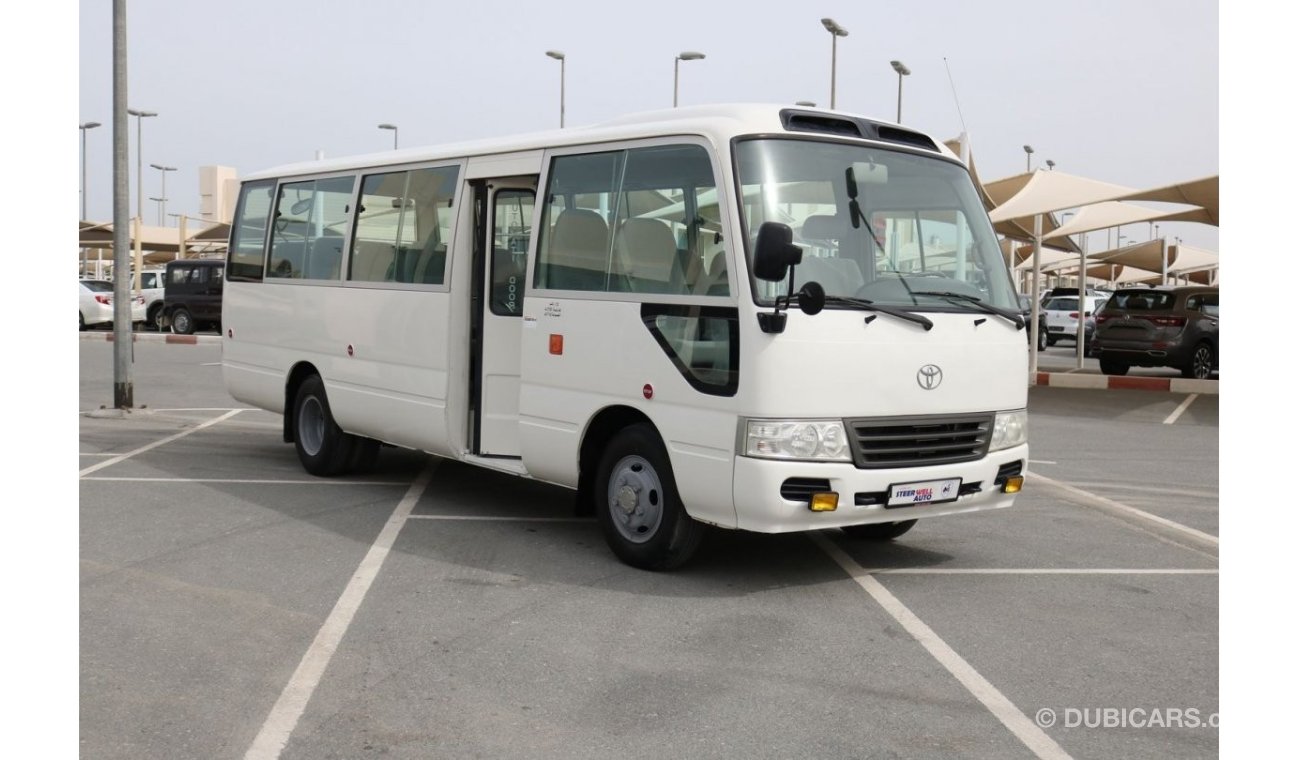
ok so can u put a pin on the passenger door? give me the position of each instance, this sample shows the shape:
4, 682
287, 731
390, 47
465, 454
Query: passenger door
503, 230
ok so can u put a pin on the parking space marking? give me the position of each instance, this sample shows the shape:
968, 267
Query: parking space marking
1033, 737
156, 444
1041, 461
1164, 490
1084, 498
1174, 415
284, 715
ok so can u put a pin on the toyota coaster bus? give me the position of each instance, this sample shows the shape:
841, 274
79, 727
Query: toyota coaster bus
753, 317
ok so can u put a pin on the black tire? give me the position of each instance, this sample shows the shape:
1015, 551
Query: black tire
1051, 341
154, 317
1042, 340
365, 454
322, 446
1201, 364
637, 503
182, 321
1112, 367
82, 318
879, 531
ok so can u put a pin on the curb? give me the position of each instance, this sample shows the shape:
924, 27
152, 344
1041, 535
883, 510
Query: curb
1123, 382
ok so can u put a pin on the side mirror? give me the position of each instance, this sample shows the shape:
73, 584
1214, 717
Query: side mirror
812, 298
775, 251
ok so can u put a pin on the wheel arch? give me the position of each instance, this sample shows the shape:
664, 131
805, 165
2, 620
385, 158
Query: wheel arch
297, 374
603, 426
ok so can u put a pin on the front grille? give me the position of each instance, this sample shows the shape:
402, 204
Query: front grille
880, 442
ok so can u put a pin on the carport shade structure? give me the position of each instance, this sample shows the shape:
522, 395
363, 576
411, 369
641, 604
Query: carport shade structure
1034, 195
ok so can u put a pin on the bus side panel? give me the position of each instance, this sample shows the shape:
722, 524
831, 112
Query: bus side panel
579, 357
381, 352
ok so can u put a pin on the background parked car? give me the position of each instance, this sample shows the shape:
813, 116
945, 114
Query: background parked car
151, 287
96, 304
1063, 317
1160, 327
192, 294
1026, 311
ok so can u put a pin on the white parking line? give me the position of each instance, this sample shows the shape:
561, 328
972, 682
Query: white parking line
491, 518
1084, 498
1002, 708
1181, 408
284, 715
156, 444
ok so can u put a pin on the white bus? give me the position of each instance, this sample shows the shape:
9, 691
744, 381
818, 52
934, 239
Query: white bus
754, 317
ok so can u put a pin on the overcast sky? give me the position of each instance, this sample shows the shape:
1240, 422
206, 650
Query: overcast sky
1121, 91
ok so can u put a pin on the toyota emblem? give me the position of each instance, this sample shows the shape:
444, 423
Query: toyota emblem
929, 377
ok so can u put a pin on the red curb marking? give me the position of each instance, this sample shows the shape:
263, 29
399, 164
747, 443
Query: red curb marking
190, 339
1139, 383
1043, 378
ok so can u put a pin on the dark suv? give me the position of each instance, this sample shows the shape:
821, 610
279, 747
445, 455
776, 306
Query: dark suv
1159, 327
192, 294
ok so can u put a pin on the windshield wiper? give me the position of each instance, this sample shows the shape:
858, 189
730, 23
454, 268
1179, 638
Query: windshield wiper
1012, 316
863, 303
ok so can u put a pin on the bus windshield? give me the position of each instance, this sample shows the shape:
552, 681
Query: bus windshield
889, 226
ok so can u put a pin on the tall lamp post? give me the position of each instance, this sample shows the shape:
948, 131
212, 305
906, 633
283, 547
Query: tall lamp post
83, 128
686, 55
559, 56
140, 116
902, 72
162, 209
394, 128
1029, 151
162, 203
836, 31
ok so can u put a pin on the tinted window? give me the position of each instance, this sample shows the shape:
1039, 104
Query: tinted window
1062, 304
307, 237
403, 226
637, 221
1142, 300
248, 233
512, 214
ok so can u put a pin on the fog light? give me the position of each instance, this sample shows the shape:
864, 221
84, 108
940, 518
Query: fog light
824, 502
1013, 484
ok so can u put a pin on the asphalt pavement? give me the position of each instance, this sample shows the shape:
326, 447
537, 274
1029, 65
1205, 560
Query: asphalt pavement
234, 606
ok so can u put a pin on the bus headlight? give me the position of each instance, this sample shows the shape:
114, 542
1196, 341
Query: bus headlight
815, 440
1010, 429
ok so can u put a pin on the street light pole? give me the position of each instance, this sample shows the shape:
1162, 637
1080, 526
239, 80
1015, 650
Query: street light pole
1029, 151
140, 116
559, 56
162, 202
162, 210
687, 55
83, 128
902, 72
394, 128
836, 31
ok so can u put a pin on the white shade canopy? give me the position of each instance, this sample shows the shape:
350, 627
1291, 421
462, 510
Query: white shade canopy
1042, 192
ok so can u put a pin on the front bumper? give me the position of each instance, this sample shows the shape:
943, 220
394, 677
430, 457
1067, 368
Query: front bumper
760, 507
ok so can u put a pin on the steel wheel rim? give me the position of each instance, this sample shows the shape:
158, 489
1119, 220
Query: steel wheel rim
311, 426
635, 499
182, 321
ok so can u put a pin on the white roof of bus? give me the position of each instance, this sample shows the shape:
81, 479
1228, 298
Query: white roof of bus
721, 122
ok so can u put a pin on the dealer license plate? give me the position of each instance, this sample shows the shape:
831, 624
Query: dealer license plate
923, 492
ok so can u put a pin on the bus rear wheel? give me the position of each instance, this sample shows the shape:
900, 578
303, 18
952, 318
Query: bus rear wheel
322, 446
637, 503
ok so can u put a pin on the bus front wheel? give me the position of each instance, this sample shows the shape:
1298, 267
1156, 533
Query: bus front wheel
323, 447
637, 504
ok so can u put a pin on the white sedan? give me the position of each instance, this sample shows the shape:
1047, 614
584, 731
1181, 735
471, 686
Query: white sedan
96, 304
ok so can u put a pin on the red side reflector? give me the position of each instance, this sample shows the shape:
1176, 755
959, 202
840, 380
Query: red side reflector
557, 344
